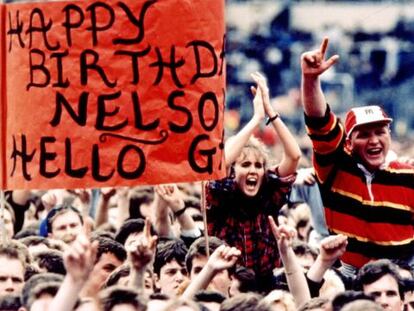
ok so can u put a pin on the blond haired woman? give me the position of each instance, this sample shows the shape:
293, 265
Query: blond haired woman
240, 204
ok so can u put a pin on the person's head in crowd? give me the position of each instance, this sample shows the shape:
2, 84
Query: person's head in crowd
404, 268
209, 299
197, 258
243, 280
130, 230
181, 304
409, 294
362, 305
169, 267
341, 299
12, 269
9, 219
140, 200
110, 255
29, 230
30, 271
279, 279
107, 227
64, 222
50, 261
332, 284
24, 251
34, 281
118, 298
102, 234
35, 243
253, 155
361, 125
193, 209
315, 304
157, 301
41, 296
120, 276
280, 300
382, 281
305, 253
10, 302
299, 217
57, 245
245, 302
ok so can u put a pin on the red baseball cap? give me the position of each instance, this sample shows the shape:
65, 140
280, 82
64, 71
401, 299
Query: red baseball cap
364, 115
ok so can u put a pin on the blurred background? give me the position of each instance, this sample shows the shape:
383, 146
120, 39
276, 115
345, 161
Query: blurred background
375, 41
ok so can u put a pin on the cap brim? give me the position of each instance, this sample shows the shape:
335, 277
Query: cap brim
384, 121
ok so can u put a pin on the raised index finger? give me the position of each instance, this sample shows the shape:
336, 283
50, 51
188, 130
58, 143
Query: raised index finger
324, 46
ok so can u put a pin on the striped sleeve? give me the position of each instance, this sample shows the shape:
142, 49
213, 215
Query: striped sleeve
327, 136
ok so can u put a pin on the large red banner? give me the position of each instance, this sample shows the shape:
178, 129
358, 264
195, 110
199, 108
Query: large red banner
111, 93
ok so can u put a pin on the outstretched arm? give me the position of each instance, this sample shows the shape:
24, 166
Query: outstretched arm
313, 64
141, 254
331, 249
174, 199
234, 145
222, 258
160, 214
294, 272
79, 260
292, 153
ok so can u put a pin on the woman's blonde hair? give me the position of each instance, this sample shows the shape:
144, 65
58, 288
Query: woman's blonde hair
283, 297
256, 146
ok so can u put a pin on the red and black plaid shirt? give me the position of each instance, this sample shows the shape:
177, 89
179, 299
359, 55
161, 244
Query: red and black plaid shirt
242, 221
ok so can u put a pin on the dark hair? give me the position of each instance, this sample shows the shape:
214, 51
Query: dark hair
128, 227
106, 245
209, 296
102, 233
193, 202
280, 281
120, 272
34, 240
341, 299
301, 248
28, 231
199, 248
116, 295
31, 283
159, 296
374, 270
10, 302
51, 260
15, 250
169, 251
57, 210
50, 288
30, 271
246, 278
107, 227
138, 196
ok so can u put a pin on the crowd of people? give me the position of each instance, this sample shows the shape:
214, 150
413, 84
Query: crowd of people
271, 235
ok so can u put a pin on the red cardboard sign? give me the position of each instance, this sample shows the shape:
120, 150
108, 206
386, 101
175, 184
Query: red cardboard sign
111, 93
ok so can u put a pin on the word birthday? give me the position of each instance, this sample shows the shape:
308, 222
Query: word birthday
111, 89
